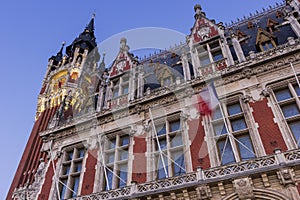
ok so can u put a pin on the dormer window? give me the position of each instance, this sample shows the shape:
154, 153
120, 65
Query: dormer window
265, 40
250, 25
210, 53
267, 45
121, 86
165, 76
271, 25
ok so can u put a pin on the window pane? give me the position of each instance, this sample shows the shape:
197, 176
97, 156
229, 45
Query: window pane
217, 55
290, 110
217, 114
245, 147
80, 153
204, 60
66, 170
283, 94
78, 167
161, 129
176, 140
234, 109
238, 124
124, 154
297, 89
124, 140
109, 179
116, 92
174, 126
75, 186
220, 129
295, 127
63, 189
70, 155
110, 157
112, 144
167, 81
226, 153
162, 144
179, 167
160, 167
123, 175
125, 89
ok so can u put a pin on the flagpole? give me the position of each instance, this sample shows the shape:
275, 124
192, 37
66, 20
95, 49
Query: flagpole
103, 163
292, 66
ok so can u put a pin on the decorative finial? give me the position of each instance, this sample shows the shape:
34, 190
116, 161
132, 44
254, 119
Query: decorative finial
94, 15
63, 43
197, 7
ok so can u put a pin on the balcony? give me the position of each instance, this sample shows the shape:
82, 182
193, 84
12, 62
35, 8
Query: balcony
200, 177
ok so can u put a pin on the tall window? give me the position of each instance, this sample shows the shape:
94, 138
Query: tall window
233, 143
168, 149
288, 101
70, 172
116, 162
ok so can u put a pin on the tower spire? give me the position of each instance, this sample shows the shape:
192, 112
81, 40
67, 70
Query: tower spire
59, 54
91, 27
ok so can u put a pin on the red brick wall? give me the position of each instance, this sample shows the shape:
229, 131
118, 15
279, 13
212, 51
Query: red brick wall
47, 182
199, 152
269, 131
139, 163
89, 174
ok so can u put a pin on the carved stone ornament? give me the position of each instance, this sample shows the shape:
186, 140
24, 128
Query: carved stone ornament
136, 129
31, 191
247, 72
190, 113
286, 176
204, 192
92, 142
244, 188
265, 92
246, 98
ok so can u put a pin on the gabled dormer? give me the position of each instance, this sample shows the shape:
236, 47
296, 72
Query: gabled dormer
203, 28
124, 60
208, 45
265, 40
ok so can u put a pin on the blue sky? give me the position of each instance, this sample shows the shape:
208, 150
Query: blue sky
32, 31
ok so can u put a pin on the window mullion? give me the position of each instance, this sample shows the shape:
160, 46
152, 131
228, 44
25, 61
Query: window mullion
294, 94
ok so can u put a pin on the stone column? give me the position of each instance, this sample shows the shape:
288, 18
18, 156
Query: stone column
237, 48
294, 24
186, 67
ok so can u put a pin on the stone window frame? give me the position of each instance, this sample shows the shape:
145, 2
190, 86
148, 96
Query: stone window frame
152, 149
282, 121
73, 171
119, 85
214, 154
117, 160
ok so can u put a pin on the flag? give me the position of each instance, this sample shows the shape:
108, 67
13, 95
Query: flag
208, 100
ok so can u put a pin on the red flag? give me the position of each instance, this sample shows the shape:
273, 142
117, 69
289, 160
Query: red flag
208, 100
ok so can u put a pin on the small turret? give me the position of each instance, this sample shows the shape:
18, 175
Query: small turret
54, 60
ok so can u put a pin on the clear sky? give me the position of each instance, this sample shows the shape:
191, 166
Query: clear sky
33, 30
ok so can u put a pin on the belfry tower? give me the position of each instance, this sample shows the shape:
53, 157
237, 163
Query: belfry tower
68, 89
